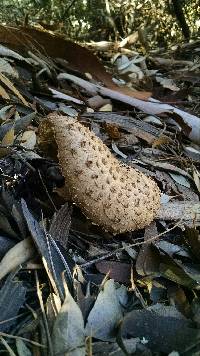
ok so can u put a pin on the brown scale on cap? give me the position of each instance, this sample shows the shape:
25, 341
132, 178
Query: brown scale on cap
114, 196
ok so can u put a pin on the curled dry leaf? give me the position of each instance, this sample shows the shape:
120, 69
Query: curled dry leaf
28, 139
20, 253
113, 195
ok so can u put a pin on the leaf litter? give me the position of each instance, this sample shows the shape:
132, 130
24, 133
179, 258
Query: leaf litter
67, 287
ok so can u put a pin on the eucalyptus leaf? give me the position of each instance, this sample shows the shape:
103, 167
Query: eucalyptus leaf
180, 179
22, 349
68, 331
105, 314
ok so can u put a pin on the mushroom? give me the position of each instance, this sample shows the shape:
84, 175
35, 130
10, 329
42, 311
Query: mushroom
111, 194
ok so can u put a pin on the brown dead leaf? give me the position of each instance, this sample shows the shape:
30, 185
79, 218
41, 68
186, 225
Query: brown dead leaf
162, 140
148, 260
7, 140
193, 239
45, 139
9, 137
127, 140
179, 299
79, 58
120, 272
112, 131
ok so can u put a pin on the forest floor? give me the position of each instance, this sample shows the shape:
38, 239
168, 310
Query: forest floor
67, 287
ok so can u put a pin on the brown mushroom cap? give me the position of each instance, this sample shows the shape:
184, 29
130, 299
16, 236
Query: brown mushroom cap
113, 195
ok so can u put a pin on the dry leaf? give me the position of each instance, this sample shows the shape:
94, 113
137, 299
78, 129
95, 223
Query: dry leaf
112, 130
162, 140
68, 337
105, 314
28, 139
9, 137
7, 52
7, 140
196, 176
152, 106
3, 93
5, 67
79, 58
106, 107
20, 253
167, 83
9, 85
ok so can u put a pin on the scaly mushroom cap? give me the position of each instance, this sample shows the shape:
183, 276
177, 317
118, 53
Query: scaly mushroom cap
113, 195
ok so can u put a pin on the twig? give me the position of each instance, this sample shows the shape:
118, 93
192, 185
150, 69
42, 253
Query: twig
46, 190
87, 264
22, 338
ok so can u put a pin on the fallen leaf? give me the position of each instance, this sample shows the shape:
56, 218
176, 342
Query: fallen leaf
7, 140
53, 259
148, 259
162, 333
186, 211
78, 58
105, 314
106, 107
112, 130
120, 272
7, 52
4, 94
53, 306
28, 139
178, 272
192, 152
22, 349
68, 337
162, 140
167, 83
12, 298
20, 253
9, 85
60, 225
22, 122
193, 239
117, 151
180, 179
196, 176
5, 112
5, 67
9, 137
